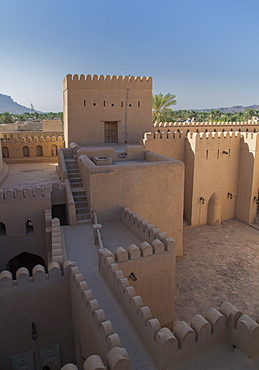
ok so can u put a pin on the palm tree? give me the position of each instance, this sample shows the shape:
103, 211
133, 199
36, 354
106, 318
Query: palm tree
160, 107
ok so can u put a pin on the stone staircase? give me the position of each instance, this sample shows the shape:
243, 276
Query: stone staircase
79, 195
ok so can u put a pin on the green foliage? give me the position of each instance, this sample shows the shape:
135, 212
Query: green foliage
36, 115
160, 107
6, 117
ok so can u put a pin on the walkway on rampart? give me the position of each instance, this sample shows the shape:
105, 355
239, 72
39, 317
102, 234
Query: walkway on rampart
220, 263
81, 249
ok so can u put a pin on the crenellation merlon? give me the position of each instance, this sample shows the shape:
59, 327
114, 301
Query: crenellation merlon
112, 82
18, 195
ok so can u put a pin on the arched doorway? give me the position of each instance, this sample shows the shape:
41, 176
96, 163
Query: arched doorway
26, 151
5, 152
39, 152
24, 259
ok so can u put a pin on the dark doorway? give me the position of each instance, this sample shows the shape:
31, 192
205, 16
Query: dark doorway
24, 259
59, 211
111, 132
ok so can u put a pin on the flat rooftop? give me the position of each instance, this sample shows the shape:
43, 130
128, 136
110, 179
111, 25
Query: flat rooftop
30, 174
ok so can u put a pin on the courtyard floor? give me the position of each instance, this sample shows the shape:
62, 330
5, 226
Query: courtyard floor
219, 263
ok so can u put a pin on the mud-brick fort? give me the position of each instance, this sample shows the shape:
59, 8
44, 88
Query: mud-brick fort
88, 261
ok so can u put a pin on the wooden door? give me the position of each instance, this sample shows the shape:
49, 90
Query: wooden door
111, 132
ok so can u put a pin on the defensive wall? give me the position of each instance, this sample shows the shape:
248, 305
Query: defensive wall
26, 231
221, 176
29, 148
105, 109
111, 187
26, 133
185, 127
187, 340
77, 324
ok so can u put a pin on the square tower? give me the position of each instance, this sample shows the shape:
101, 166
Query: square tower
105, 109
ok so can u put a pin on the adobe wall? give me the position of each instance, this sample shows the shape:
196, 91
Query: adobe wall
89, 101
43, 299
224, 326
185, 127
154, 267
25, 204
93, 334
52, 125
26, 134
212, 167
27, 148
153, 189
170, 144
248, 183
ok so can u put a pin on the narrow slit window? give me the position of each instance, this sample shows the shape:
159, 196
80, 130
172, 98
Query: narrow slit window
138, 104
218, 154
104, 103
84, 103
121, 104
2, 229
207, 154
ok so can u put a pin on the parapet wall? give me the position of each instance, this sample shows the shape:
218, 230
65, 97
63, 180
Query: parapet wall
26, 148
89, 321
27, 194
192, 125
144, 230
54, 273
100, 82
187, 340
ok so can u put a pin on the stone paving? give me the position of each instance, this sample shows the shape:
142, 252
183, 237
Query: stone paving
219, 263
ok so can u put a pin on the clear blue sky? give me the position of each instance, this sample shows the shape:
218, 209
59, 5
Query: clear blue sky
206, 52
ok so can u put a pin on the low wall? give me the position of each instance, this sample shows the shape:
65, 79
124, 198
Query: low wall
187, 340
117, 359
150, 269
93, 334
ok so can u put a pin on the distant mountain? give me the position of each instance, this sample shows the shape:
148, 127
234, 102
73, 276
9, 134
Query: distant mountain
8, 105
234, 109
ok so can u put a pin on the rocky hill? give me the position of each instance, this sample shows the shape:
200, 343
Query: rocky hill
7, 104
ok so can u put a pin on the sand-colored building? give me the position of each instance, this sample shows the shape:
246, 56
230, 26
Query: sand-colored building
88, 260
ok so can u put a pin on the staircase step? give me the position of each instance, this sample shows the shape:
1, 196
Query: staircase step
75, 179
82, 210
81, 203
76, 185
83, 216
84, 221
73, 175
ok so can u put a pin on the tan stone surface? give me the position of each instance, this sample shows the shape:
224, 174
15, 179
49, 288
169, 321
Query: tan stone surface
29, 174
220, 263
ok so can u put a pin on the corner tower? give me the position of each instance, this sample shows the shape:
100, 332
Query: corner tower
105, 109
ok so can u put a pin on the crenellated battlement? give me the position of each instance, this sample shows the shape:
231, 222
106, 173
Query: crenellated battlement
144, 230
93, 317
187, 340
35, 139
100, 82
28, 194
40, 276
158, 125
